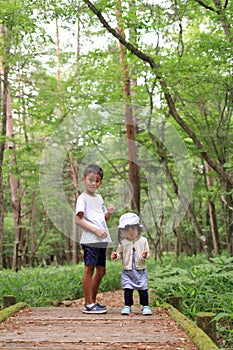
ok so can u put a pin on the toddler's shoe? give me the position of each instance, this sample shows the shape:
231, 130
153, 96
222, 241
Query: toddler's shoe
126, 310
146, 311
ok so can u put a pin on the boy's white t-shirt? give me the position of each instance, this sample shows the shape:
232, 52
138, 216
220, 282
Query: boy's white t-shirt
94, 214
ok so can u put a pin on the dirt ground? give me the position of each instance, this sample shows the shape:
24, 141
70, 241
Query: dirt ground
66, 327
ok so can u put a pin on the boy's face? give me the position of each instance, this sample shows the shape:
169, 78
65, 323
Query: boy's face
92, 182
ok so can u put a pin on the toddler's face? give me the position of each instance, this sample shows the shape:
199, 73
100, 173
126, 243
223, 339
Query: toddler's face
131, 232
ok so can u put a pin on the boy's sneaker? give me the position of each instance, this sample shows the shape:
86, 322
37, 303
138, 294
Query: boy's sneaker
95, 309
102, 306
146, 311
126, 310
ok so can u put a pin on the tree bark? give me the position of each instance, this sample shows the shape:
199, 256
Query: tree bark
33, 236
14, 185
8, 300
212, 214
71, 237
129, 119
205, 321
3, 94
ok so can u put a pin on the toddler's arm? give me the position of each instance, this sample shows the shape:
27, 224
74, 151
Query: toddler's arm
144, 254
114, 255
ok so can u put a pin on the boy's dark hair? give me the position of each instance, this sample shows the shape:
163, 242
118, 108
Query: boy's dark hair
95, 169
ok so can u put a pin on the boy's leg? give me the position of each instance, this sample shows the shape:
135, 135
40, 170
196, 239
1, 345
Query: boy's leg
87, 283
143, 297
99, 274
90, 258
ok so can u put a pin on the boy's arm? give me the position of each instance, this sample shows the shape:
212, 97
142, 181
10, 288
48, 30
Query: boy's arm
110, 210
87, 227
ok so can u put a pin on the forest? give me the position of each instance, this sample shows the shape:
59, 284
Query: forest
144, 89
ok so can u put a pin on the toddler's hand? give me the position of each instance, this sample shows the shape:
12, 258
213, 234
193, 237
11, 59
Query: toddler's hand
144, 254
110, 208
114, 255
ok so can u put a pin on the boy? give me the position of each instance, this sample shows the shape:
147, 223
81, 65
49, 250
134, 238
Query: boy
91, 216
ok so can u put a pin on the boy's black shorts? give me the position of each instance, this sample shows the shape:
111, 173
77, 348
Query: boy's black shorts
94, 255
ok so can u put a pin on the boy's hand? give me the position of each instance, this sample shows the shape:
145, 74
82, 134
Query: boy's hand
113, 255
110, 208
144, 254
100, 233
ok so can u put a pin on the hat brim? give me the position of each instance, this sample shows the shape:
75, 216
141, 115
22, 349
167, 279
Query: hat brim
122, 227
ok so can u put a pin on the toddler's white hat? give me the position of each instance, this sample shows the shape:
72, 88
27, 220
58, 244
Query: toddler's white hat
129, 219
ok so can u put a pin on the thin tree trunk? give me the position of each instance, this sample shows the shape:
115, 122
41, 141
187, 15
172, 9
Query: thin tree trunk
177, 241
24, 236
129, 120
3, 94
33, 236
58, 50
190, 211
14, 185
212, 214
228, 220
71, 238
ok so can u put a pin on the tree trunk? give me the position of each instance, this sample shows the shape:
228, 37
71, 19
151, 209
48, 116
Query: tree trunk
206, 321
76, 245
129, 120
3, 94
190, 211
33, 236
14, 185
212, 213
228, 220
71, 237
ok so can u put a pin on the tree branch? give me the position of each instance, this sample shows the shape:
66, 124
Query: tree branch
122, 40
200, 2
225, 5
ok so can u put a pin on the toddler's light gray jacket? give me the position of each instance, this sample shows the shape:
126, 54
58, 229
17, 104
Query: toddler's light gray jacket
125, 252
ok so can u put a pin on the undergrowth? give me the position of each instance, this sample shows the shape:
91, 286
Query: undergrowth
203, 285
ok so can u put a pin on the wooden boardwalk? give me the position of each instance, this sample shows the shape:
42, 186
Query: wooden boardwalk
54, 328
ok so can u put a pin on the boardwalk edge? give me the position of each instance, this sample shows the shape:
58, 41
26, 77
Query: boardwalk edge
196, 334
11, 310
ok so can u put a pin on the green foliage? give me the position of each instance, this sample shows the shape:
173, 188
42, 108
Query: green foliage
40, 286
204, 287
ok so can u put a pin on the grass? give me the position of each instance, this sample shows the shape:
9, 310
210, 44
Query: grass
203, 286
